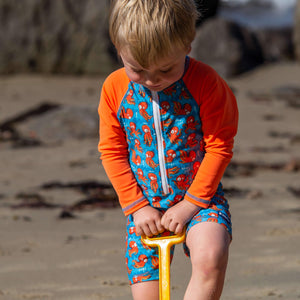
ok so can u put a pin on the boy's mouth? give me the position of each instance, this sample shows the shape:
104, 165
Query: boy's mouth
155, 88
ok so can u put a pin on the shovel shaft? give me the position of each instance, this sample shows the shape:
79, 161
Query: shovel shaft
164, 244
164, 272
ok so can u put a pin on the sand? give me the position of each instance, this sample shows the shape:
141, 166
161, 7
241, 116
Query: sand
46, 257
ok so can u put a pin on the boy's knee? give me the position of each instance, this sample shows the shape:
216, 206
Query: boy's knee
211, 260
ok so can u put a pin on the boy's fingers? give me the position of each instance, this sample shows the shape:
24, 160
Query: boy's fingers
143, 230
178, 229
147, 231
160, 227
173, 226
163, 220
166, 223
153, 228
139, 231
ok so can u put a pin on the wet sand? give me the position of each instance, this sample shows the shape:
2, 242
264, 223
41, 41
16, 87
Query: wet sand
52, 249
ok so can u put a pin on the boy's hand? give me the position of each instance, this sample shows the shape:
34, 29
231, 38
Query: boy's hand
178, 215
147, 221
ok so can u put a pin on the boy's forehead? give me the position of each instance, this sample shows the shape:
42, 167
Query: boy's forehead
161, 62
128, 58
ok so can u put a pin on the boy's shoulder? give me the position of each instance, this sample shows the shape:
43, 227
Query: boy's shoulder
118, 77
115, 86
203, 81
199, 68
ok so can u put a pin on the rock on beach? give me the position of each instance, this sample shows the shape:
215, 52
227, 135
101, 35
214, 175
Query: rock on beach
71, 37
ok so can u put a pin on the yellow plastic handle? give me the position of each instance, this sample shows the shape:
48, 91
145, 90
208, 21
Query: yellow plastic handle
164, 244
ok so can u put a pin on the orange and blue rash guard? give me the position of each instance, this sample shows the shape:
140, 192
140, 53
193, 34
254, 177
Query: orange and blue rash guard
161, 147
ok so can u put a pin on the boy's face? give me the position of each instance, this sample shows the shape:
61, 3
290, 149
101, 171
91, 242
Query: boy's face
159, 76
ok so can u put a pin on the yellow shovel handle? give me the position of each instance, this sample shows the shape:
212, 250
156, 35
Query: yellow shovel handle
164, 244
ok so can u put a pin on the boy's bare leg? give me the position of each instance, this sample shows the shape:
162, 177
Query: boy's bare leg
148, 290
208, 243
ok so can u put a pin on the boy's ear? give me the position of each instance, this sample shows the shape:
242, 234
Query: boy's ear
188, 49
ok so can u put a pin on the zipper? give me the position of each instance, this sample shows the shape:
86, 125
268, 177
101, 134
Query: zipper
160, 144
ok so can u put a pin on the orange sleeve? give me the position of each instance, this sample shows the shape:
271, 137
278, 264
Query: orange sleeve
219, 116
113, 145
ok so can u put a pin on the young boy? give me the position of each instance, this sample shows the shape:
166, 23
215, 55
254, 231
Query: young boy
167, 124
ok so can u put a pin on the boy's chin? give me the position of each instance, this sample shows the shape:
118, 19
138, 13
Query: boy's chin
156, 88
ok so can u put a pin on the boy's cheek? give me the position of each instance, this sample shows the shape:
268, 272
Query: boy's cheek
134, 76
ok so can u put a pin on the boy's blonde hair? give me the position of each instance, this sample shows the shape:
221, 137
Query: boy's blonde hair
152, 29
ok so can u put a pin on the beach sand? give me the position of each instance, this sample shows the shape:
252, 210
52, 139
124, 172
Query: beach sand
45, 256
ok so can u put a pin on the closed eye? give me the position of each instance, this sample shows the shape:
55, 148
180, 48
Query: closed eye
137, 71
166, 71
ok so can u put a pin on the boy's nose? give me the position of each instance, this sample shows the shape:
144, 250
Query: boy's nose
152, 79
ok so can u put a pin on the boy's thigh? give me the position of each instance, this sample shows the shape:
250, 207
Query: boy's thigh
141, 260
210, 228
208, 241
148, 290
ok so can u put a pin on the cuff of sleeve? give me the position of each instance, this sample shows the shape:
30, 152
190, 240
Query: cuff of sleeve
136, 205
197, 201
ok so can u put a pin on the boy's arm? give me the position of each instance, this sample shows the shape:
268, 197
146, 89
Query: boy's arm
219, 116
114, 153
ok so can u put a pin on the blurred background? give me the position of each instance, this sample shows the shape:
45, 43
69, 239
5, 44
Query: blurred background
70, 36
